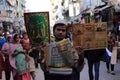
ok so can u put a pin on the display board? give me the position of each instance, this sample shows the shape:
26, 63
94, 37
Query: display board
90, 36
37, 26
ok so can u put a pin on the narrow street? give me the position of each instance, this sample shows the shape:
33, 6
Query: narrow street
103, 72
84, 74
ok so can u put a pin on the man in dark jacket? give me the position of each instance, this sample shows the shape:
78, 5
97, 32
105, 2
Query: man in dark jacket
93, 58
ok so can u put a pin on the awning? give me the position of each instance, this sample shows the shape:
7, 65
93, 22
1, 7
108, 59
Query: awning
100, 9
86, 10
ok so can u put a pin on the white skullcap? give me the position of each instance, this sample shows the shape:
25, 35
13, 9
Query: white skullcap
61, 21
8, 33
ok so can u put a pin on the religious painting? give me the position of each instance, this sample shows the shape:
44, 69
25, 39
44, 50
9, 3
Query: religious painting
77, 31
90, 36
37, 27
52, 56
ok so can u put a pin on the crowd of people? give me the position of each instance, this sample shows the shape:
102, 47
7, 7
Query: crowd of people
15, 57
19, 57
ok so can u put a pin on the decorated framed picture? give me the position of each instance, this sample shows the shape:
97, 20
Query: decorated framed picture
90, 36
37, 27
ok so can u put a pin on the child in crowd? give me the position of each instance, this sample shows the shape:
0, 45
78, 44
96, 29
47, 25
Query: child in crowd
26, 40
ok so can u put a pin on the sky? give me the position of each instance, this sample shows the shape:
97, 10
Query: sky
38, 5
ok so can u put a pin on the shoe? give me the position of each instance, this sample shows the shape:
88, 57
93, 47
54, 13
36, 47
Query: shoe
112, 72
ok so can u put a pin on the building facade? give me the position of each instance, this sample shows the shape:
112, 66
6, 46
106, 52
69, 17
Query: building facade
11, 13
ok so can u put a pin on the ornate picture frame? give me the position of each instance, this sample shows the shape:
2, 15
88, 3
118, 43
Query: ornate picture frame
37, 27
90, 36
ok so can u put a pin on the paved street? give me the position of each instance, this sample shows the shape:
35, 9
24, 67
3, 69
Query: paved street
84, 74
103, 72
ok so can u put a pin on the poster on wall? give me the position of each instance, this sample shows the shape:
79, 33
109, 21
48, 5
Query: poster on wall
37, 26
90, 36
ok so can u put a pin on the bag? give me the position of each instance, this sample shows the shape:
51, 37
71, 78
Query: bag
114, 56
107, 56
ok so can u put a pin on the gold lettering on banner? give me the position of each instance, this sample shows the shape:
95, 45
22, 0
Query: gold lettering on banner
37, 26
